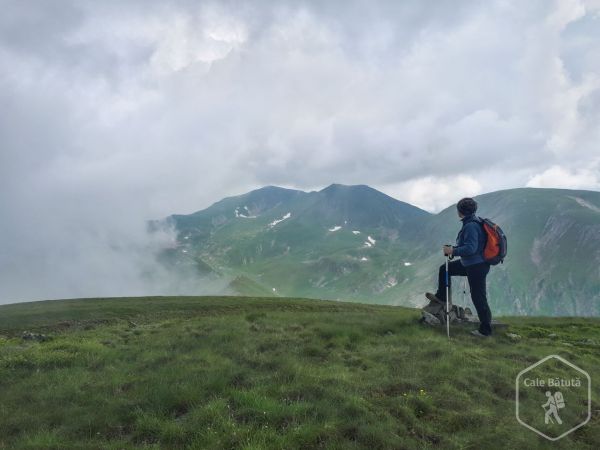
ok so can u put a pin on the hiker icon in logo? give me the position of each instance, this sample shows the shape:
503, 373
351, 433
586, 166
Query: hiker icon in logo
554, 403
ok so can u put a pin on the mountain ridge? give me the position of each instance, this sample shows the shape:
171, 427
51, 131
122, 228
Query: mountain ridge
330, 186
356, 243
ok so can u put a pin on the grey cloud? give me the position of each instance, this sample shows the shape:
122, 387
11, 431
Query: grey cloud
118, 112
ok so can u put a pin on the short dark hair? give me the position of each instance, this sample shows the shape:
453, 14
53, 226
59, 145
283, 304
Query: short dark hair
466, 206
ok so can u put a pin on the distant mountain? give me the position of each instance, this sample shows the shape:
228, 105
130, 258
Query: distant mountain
356, 243
359, 206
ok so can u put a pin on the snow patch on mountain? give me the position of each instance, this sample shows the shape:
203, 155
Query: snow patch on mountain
276, 221
239, 214
586, 204
408, 264
355, 231
370, 242
337, 227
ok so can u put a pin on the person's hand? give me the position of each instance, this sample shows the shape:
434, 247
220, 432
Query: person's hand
447, 250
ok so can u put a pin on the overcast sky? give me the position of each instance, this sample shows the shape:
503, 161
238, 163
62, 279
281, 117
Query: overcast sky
114, 112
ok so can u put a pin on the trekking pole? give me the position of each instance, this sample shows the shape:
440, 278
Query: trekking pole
447, 303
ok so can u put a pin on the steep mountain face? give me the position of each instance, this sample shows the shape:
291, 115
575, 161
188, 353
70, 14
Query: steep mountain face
556, 236
553, 264
354, 242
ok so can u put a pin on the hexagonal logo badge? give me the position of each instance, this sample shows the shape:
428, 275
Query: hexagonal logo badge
553, 397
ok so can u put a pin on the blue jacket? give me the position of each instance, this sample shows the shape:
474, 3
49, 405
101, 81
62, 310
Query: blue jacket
470, 241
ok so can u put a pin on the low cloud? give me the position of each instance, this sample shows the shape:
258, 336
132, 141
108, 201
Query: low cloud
434, 193
568, 178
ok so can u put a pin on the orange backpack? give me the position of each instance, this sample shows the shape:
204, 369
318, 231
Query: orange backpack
496, 244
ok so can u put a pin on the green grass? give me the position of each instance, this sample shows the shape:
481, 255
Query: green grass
254, 373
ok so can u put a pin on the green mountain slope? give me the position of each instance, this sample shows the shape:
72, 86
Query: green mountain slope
553, 266
242, 285
230, 372
357, 243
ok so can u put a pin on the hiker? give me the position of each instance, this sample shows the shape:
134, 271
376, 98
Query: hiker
470, 244
552, 409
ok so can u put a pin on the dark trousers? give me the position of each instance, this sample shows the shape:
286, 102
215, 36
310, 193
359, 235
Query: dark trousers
476, 275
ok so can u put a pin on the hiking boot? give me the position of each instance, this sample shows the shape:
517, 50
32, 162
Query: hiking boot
433, 298
479, 334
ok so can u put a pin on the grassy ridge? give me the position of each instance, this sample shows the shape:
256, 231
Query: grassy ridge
241, 372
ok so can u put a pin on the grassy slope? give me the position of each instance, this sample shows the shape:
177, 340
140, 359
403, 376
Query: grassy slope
235, 372
524, 214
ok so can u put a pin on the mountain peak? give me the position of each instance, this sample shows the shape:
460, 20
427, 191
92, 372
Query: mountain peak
272, 188
337, 187
360, 205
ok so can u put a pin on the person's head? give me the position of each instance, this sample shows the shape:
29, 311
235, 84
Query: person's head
466, 206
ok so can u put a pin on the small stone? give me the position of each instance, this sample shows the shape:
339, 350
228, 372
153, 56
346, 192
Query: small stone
29, 336
513, 336
430, 319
